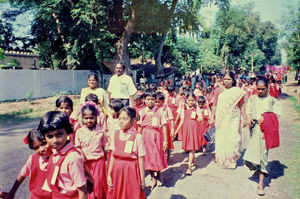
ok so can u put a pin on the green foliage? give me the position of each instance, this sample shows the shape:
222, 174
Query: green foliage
243, 38
13, 63
294, 45
29, 95
17, 116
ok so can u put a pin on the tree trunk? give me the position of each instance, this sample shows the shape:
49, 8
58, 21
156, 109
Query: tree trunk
121, 46
158, 63
63, 39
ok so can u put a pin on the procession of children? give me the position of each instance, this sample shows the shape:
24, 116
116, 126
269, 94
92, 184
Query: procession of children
104, 149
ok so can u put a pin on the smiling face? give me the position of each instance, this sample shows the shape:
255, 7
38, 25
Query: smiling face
89, 119
190, 101
65, 108
125, 122
92, 82
57, 139
158, 102
228, 81
41, 148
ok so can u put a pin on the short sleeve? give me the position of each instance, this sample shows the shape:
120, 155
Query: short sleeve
140, 146
25, 171
112, 141
76, 169
131, 88
163, 119
277, 107
77, 140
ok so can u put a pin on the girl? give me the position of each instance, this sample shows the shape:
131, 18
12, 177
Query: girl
197, 91
65, 170
181, 99
159, 102
127, 160
256, 155
152, 125
190, 129
93, 87
65, 104
35, 167
138, 105
204, 123
91, 140
115, 106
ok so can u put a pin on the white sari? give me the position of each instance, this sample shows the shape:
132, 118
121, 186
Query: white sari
228, 127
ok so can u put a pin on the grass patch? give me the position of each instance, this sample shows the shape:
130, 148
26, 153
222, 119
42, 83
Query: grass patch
293, 174
23, 115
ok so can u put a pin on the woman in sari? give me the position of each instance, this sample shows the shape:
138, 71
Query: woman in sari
228, 107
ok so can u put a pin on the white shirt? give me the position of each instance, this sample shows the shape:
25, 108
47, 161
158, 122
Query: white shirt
121, 87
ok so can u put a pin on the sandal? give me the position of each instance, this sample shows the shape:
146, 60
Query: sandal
260, 192
189, 171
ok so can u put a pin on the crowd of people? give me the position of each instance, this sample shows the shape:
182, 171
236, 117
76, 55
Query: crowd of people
103, 148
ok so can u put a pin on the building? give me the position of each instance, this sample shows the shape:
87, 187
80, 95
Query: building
21, 60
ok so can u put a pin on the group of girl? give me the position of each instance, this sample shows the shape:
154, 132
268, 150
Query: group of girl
103, 152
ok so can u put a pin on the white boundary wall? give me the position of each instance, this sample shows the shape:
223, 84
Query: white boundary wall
15, 84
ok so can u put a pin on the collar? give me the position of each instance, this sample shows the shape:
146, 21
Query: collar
129, 131
64, 149
147, 109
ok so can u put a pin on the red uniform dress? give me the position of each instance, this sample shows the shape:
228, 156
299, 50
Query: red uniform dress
37, 180
272, 89
92, 143
151, 122
191, 138
204, 124
125, 171
137, 109
169, 118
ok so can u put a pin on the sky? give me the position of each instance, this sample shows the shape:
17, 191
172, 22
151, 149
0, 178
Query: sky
269, 10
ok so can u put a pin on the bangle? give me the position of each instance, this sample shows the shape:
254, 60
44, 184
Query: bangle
143, 185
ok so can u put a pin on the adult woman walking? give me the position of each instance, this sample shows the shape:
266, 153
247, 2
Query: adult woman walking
93, 87
229, 106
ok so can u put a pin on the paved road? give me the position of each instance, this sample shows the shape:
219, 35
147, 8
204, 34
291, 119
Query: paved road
207, 180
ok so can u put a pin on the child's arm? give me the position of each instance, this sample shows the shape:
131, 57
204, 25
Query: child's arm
109, 180
82, 192
179, 127
165, 145
15, 187
142, 173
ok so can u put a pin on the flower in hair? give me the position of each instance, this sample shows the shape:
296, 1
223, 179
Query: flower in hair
89, 103
25, 140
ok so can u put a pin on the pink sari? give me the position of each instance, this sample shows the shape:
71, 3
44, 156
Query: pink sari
228, 127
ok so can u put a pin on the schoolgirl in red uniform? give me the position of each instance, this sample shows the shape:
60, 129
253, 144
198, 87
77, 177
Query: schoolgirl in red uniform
65, 170
189, 122
138, 105
126, 178
152, 125
204, 121
35, 167
91, 140
115, 105
159, 102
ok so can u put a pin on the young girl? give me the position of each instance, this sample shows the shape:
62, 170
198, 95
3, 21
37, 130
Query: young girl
159, 102
152, 125
181, 101
197, 91
65, 104
138, 105
65, 170
115, 106
126, 177
204, 123
189, 121
35, 167
91, 140
256, 155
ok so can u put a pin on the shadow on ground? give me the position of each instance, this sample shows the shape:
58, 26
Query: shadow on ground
275, 169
